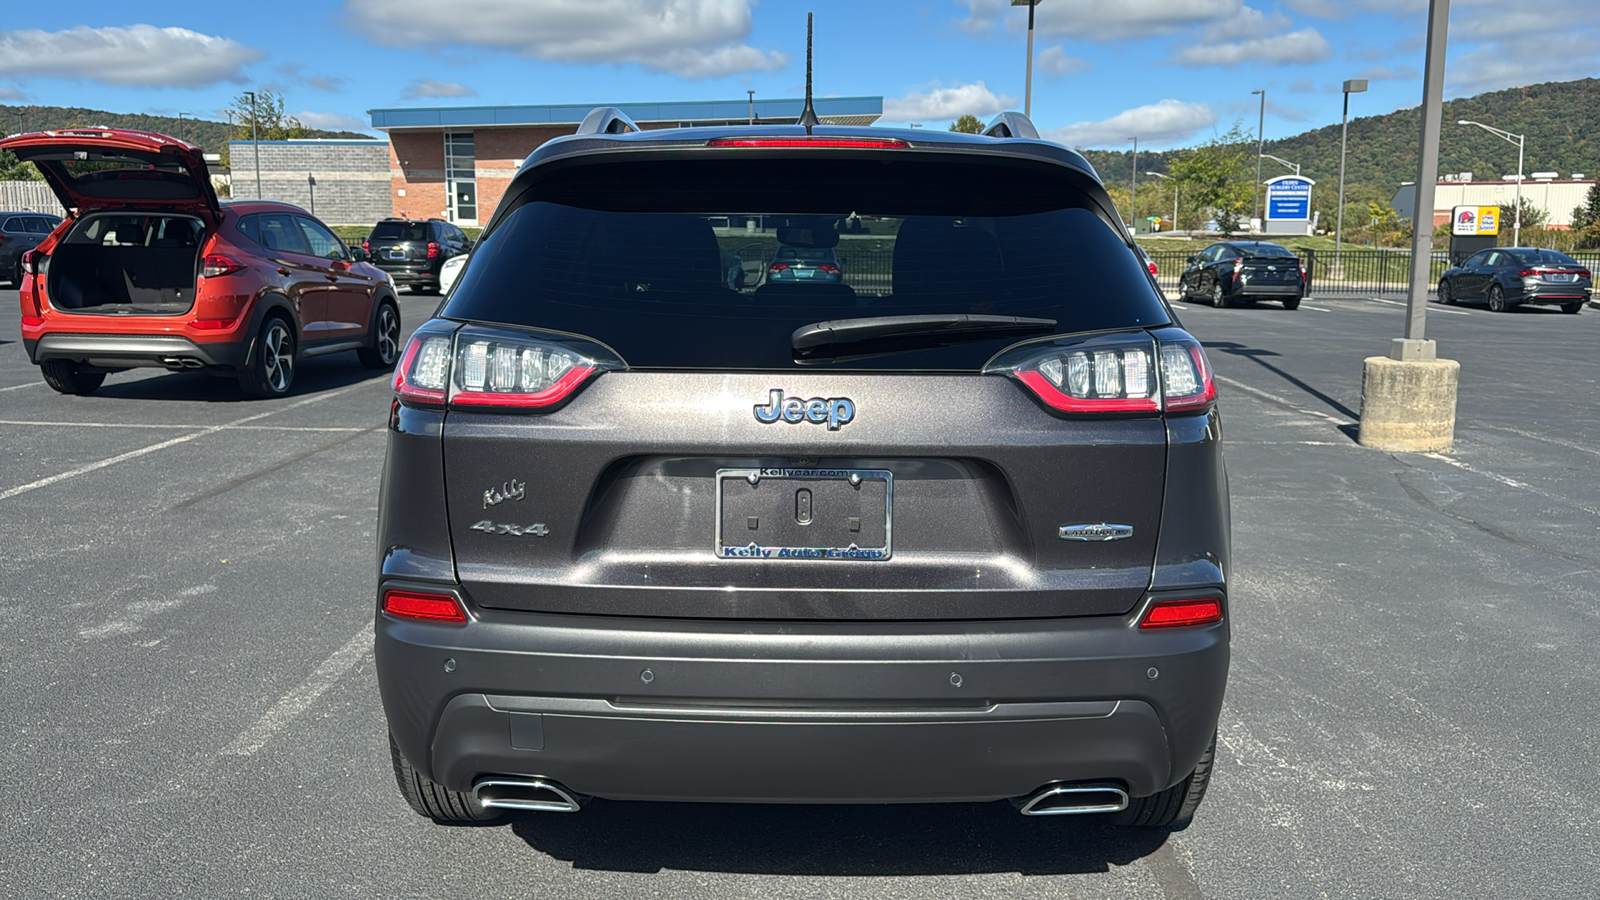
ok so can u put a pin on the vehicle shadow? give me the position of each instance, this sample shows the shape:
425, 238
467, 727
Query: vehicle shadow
1258, 356
312, 376
940, 839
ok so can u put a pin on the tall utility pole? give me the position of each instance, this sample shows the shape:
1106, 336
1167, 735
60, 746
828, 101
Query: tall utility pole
1027, 94
1353, 86
255, 140
1520, 141
1174, 195
1133, 179
1261, 147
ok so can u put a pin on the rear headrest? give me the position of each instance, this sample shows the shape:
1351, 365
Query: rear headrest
941, 255
129, 233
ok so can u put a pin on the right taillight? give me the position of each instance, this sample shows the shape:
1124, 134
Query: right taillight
1182, 613
424, 607
213, 266
480, 367
1117, 374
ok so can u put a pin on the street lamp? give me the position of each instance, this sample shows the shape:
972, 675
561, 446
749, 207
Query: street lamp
1174, 196
1027, 95
1520, 141
1261, 146
255, 140
1133, 199
1353, 86
1294, 166
752, 106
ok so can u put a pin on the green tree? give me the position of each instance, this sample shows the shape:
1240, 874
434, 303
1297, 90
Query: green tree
271, 122
1219, 177
1532, 216
13, 169
967, 124
1589, 212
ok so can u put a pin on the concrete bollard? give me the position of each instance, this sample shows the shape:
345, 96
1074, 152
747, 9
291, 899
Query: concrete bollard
1408, 399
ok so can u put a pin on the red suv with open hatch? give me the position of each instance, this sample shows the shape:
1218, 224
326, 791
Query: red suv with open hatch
151, 269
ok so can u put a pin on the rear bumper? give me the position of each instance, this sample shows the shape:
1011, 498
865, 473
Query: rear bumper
413, 275
1555, 293
834, 712
136, 350
1272, 290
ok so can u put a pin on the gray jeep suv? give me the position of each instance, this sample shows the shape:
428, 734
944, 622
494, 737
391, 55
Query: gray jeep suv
951, 528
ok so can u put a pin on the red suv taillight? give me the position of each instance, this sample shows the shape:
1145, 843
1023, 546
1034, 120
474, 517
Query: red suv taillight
433, 250
212, 266
423, 606
496, 367
1182, 613
1113, 374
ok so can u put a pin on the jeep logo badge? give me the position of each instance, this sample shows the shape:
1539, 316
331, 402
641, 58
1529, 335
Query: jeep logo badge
835, 411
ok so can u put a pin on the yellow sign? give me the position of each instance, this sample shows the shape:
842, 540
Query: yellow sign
1475, 220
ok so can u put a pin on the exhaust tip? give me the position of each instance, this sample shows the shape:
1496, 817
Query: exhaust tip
535, 794
1074, 800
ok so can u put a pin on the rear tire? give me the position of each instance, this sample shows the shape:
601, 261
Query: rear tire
69, 378
1174, 806
385, 338
1571, 308
1219, 300
16, 275
432, 799
1291, 303
1497, 300
270, 372
1445, 296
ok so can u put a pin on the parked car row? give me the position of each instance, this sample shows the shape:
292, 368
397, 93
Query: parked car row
1507, 277
19, 233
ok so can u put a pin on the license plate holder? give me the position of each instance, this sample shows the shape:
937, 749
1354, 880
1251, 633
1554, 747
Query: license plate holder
397, 253
1560, 277
815, 514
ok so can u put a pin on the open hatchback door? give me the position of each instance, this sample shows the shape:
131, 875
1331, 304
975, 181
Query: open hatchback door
114, 168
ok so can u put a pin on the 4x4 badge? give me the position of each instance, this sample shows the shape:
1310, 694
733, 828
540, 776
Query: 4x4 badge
487, 527
835, 411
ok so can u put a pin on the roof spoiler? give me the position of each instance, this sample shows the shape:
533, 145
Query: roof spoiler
1012, 125
607, 120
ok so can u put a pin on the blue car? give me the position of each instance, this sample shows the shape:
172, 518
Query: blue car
804, 264
1508, 277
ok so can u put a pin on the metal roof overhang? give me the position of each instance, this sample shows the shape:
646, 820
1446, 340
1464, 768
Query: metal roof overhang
832, 110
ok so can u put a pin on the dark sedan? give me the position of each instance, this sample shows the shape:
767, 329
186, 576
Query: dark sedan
19, 233
1233, 271
1508, 277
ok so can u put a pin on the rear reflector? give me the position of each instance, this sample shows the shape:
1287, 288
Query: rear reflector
212, 324
426, 607
817, 143
1182, 613
32, 321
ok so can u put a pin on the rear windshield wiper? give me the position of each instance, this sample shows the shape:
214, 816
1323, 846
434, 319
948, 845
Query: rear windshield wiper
876, 335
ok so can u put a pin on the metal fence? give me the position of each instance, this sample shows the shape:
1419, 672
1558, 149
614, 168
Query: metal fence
1358, 272
29, 196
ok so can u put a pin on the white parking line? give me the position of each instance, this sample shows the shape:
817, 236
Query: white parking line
1314, 308
18, 387
178, 427
1282, 401
131, 454
300, 699
1437, 309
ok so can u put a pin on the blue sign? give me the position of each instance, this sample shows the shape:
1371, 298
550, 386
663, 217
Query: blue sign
1289, 197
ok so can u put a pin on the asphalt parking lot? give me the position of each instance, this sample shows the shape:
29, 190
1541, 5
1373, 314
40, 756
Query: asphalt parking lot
187, 690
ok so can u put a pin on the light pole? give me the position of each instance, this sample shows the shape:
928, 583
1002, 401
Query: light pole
1295, 167
1027, 94
1174, 195
1353, 86
255, 140
1133, 199
752, 106
1261, 147
1520, 141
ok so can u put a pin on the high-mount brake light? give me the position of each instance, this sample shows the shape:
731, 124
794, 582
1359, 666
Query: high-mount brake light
213, 266
1182, 613
495, 367
812, 143
1117, 374
424, 607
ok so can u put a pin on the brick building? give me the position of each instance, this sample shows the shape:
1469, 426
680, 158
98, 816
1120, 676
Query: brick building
340, 182
456, 162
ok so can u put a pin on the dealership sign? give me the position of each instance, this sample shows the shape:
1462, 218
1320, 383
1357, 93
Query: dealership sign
1467, 221
1289, 197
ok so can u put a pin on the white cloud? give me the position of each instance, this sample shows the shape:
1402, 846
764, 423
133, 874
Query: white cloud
1303, 46
332, 121
1497, 46
1338, 9
135, 56
429, 88
687, 38
1302, 86
1099, 20
1054, 62
1389, 73
1247, 20
7, 92
1166, 122
938, 103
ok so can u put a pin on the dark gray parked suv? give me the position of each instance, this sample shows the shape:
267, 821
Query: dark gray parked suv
954, 528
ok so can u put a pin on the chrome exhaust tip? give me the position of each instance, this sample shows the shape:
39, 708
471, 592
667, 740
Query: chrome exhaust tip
1074, 800
536, 794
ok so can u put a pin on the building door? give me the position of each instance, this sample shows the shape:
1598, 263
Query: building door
460, 178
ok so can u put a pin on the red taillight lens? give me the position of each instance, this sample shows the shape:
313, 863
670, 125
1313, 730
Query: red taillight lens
1182, 613
830, 268
1526, 273
493, 367
426, 607
33, 262
1237, 265
776, 267
32, 321
213, 266
366, 246
1583, 273
1123, 374
1302, 270
813, 142
433, 250
1152, 267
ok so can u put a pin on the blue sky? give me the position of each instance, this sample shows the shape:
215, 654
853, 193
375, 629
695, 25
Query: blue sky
1173, 72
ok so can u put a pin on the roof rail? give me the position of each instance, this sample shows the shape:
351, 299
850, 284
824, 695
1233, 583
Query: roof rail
607, 120
1012, 125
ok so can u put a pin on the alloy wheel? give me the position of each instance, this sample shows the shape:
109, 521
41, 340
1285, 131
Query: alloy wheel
1217, 298
388, 334
277, 356
1497, 299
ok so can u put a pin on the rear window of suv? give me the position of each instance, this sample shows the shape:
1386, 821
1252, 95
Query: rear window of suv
400, 231
677, 277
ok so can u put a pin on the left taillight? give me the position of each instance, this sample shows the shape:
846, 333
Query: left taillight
35, 263
433, 250
214, 265
422, 606
481, 367
1113, 374
1182, 613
